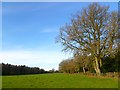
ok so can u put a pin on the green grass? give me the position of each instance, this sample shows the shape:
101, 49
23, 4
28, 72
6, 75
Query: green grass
57, 80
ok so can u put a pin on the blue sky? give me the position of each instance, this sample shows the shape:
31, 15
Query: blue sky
29, 31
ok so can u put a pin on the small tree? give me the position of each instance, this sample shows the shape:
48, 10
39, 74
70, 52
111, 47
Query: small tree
68, 66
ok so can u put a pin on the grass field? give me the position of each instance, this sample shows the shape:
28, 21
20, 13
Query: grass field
57, 80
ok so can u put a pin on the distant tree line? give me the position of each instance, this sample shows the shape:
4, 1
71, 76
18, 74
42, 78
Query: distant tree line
8, 69
84, 64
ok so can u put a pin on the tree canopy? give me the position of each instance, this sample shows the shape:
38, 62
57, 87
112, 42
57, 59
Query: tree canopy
92, 31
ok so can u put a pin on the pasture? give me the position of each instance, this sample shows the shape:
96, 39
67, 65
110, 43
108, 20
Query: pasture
57, 80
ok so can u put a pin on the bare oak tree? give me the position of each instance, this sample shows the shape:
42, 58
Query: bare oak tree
93, 30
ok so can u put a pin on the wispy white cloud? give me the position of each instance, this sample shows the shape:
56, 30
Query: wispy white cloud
50, 30
42, 59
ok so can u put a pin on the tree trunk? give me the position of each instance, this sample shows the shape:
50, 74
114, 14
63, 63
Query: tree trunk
96, 67
83, 70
